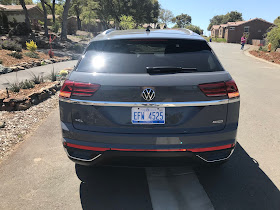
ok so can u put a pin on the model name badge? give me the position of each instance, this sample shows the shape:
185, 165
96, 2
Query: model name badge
217, 121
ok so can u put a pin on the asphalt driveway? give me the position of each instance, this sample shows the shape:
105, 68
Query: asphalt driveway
38, 174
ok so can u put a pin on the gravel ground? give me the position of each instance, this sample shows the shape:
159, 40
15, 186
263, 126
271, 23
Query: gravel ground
19, 123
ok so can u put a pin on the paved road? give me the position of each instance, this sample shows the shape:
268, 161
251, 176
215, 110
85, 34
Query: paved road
5, 79
39, 176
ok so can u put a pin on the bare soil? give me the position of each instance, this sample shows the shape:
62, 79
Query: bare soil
269, 56
11, 61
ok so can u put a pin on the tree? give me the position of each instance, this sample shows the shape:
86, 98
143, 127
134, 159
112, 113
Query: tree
64, 20
15, 2
165, 16
27, 21
232, 16
45, 18
273, 37
76, 8
52, 8
277, 21
182, 20
195, 29
127, 22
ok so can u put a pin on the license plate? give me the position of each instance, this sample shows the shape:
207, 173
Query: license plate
147, 115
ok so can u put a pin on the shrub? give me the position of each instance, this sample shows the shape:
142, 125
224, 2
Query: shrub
11, 45
53, 76
55, 27
273, 37
15, 87
31, 46
32, 55
36, 79
16, 55
77, 48
26, 84
21, 29
63, 73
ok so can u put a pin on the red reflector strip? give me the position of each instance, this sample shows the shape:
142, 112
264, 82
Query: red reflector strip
86, 147
207, 149
145, 150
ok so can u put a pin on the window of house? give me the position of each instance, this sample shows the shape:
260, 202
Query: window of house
232, 28
246, 29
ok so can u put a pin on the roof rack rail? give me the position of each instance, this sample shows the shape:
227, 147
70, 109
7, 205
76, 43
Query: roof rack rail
108, 31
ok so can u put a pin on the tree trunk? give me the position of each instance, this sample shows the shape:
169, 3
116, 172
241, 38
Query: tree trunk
45, 19
64, 20
79, 22
27, 21
53, 11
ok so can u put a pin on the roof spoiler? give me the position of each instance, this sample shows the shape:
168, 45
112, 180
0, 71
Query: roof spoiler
108, 31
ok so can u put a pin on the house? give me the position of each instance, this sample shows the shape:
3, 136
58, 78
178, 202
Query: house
15, 12
222, 30
50, 19
215, 31
233, 31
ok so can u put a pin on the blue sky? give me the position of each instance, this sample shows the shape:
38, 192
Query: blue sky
203, 10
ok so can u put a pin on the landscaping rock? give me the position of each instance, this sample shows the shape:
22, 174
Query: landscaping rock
2, 124
4, 70
48, 61
20, 68
14, 68
24, 106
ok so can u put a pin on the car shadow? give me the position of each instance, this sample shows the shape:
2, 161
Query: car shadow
113, 188
239, 184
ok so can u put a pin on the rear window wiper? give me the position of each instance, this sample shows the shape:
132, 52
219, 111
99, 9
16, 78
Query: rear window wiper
169, 70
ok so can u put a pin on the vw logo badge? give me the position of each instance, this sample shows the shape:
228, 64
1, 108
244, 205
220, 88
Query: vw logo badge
148, 94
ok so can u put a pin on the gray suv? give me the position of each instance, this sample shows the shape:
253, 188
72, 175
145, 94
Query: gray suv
149, 94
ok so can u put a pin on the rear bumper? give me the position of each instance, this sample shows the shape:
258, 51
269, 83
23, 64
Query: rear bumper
95, 155
93, 148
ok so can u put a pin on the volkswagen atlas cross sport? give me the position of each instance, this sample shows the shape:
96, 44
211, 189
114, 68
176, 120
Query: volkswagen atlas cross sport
150, 94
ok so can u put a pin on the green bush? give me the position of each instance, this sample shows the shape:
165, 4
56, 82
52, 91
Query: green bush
36, 79
273, 37
32, 55
15, 87
11, 45
53, 76
55, 27
16, 55
26, 84
78, 48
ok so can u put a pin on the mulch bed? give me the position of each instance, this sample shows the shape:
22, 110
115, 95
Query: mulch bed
25, 92
273, 57
11, 61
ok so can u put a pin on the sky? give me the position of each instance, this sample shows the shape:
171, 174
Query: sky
202, 11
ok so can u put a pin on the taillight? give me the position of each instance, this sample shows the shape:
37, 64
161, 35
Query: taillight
228, 88
71, 88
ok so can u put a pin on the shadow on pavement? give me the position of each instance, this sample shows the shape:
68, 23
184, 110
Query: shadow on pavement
239, 184
113, 188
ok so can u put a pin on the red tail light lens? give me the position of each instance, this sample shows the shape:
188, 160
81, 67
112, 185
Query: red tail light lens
71, 88
228, 88
232, 89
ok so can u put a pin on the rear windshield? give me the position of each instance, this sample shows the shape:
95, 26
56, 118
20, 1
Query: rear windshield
134, 56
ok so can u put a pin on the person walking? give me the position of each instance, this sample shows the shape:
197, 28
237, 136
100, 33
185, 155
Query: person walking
243, 41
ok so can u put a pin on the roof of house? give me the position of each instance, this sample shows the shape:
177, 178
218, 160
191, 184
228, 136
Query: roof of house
223, 25
51, 17
16, 7
112, 34
216, 27
238, 23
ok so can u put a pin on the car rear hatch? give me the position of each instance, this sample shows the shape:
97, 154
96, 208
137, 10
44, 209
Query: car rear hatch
108, 87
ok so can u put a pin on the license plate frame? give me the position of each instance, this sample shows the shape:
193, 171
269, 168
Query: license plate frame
148, 115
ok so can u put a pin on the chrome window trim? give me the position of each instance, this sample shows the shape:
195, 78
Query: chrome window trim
150, 104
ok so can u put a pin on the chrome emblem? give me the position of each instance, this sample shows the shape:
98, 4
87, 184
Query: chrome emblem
148, 94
